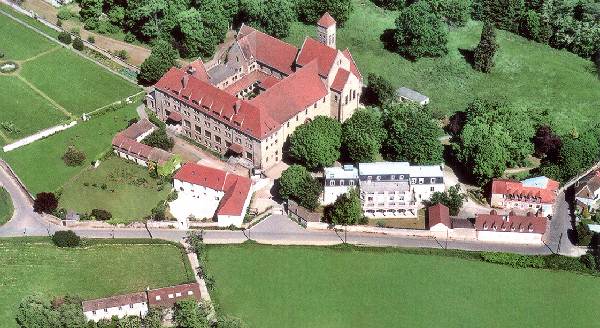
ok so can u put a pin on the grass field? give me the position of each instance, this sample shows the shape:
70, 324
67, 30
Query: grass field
130, 192
6, 206
35, 23
91, 272
270, 286
40, 165
52, 85
526, 73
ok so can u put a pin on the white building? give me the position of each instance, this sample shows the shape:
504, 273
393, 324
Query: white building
120, 306
387, 189
337, 182
205, 192
511, 228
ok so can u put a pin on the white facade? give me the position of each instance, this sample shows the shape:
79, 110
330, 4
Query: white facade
135, 309
339, 180
510, 237
236, 220
209, 198
439, 227
137, 160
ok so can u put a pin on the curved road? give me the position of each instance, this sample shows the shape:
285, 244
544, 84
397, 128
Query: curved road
277, 229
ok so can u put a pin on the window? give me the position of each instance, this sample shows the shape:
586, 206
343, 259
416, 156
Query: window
332, 183
190, 292
207, 124
207, 134
432, 180
421, 180
431, 189
369, 178
105, 310
401, 176
413, 180
341, 182
249, 155
131, 306
177, 294
315, 105
218, 139
351, 183
393, 177
94, 312
170, 295
378, 178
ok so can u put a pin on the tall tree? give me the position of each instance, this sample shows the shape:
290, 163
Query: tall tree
90, 12
483, 55
546, 142
188, 314
380, 91
362, 136
275, 17
346, 209
310, 11
420, 32
162, 58
451, 198
316, 144
45, 202
35, 311
297, 184
412, 135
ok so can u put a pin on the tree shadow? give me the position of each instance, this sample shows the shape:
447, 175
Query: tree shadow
468, 55
462, 173
388, 40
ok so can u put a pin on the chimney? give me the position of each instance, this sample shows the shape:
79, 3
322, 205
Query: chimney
184, 81
191, 70
237, 106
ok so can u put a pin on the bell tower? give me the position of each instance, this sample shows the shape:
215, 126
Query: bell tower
326, 30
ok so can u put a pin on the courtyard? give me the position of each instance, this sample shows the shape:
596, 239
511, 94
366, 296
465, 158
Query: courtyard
350, 287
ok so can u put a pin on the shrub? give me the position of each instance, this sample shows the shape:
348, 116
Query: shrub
584, 235
64, 13
559, 262
122, 54
172, 196
514, 260
101, 215
1, 54
75, 31
59, 23
91, 39
65, 37
66, 239
129, 37
45, 202
73, 157
78, 44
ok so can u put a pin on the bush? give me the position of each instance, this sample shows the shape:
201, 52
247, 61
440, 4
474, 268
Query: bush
78, 44
65, 37
66, 239
559, 262
59, 23
91, 39
1, 54
101, 215
584, 235
129, 37
514, 260
73, 157
122, 54
45, 202
172, 196
64, 13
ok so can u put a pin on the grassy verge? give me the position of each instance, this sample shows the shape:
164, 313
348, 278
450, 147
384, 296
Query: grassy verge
6, 206
97, 270
526, 73
269, 286
118, 186
40, 165
33, 22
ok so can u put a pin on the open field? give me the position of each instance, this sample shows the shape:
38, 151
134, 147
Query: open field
40, 165
271, 286
52, 85
130, 192
95, 271
6, 206
526, 73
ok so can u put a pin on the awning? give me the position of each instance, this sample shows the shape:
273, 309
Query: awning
238, 149
174, 116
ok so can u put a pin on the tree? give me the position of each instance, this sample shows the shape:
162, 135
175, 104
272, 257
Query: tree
316, 144
78, 44
45, 202
90, 12
578, 153
547, 143
412, 135
309, 11
362, 136
273, 16
153, 319
187, 314
64, 37
199, 31
71, 315
346, 209
101, 215
66, 238
379, 91
35, 311
159, 139
584, 234
420, 32
506, 14
453, 12
483, 55
161, 59
296, 183
451, 198
230, 322
73, 157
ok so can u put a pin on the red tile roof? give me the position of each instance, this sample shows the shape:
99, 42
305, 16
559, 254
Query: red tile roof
267, 49
198, 70
269, 82
341, 77
217, 103
113, 301
169, 295
246, 81
353, 67
235, 187
292, 94
326, 20
174, 116
516, 188
439, 213
137, 129
313, 49
510, 223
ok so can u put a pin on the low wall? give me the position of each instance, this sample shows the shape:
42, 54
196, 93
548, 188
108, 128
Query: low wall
456, 234
40, 135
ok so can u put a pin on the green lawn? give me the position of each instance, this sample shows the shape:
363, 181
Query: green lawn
77, 84
18, 42
22, 104
6, 206
130, 192
526, 72
91, 272
40, 166
271, 286
33, 22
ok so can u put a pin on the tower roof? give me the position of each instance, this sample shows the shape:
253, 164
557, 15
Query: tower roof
326, 20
